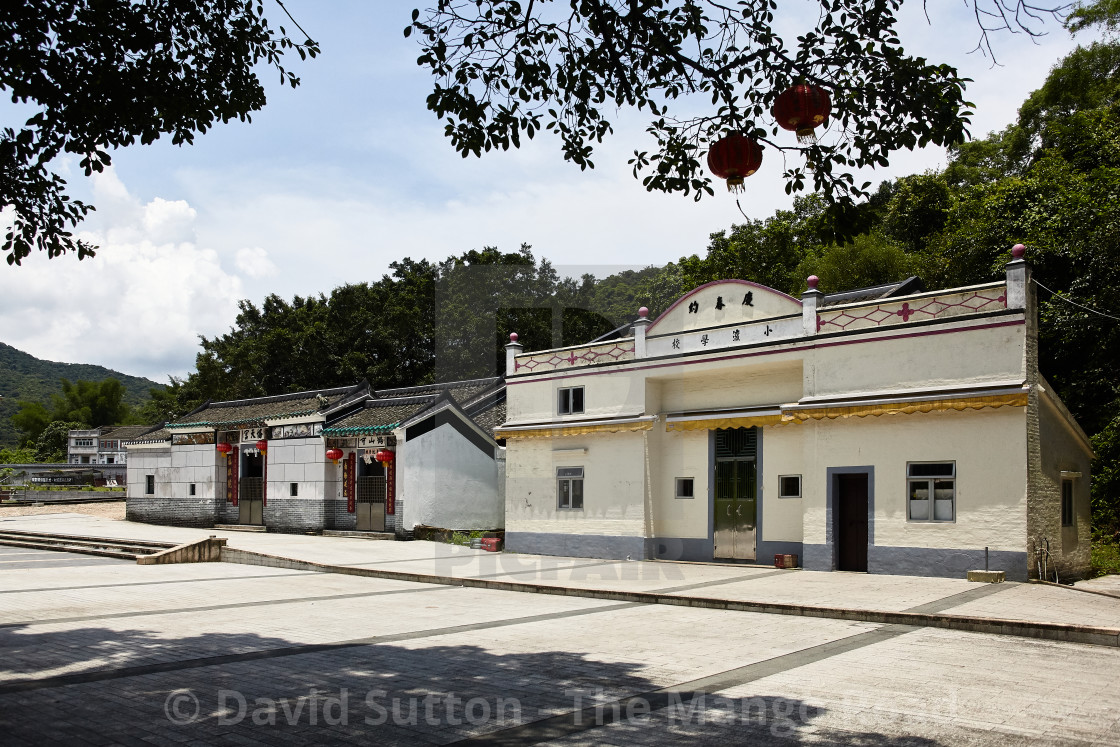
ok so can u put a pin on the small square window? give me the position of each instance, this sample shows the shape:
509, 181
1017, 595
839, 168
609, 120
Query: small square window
192, 488
149, 484
685, 487
293, 489
569, 487
569, 400
1067, 503
789, 486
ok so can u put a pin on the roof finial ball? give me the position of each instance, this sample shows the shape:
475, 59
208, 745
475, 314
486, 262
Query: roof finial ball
643, 313
513, 337
812, 281
1018, 251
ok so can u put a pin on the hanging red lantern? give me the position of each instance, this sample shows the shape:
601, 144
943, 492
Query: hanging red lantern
224, 449
262, 446
801, 109
334, 455
384, 456
734, 157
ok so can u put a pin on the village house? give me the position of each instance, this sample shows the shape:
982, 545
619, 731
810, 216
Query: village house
350, 459
887, 430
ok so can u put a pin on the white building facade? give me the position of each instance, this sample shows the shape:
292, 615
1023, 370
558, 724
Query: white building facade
907, 434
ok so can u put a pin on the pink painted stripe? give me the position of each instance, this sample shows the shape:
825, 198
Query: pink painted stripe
811, 346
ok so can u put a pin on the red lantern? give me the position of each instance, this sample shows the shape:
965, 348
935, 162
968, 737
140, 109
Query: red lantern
384, 456
801, 108
334, 455
262, 446
224, 449
734, 157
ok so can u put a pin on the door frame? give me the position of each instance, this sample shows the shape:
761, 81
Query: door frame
832, 515
709, 553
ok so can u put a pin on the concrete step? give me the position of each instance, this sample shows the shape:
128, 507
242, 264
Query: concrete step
106, 547
358, 535
240, 528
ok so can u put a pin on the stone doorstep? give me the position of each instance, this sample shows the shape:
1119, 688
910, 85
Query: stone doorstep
988, 577
240, 528
358, 534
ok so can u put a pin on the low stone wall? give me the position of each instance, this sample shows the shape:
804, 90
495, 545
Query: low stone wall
178, 512
46, 496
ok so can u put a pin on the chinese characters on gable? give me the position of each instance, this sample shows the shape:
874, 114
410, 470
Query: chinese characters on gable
748, 300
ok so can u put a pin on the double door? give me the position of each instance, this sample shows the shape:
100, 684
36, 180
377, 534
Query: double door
370, 504
735, 519
250, 500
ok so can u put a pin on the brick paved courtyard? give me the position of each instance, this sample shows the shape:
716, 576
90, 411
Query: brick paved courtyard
102, 651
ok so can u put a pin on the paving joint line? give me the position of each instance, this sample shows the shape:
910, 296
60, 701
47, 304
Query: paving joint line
101, 675
1056, 631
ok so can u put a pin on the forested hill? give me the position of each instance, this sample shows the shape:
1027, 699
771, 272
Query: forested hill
25, 377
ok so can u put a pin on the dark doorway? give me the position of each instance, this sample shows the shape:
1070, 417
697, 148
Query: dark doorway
851, 522
370, 506
250, 502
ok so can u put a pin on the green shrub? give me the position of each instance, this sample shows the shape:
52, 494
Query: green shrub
1104, 558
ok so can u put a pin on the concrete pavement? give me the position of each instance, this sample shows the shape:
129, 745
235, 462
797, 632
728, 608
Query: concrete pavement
96, 651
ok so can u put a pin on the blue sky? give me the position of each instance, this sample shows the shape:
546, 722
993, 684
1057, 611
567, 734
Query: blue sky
334, 180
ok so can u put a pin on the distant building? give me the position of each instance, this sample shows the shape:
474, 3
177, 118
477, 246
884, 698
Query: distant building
351, 459
103, 445
886, 430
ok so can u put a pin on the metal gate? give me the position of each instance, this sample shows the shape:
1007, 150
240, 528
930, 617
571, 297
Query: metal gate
250, 502
370, 506
735, 512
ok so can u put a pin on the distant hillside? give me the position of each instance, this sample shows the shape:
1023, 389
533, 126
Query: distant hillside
25, 377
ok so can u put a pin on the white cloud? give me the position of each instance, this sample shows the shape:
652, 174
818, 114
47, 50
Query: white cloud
138, 306
254, 262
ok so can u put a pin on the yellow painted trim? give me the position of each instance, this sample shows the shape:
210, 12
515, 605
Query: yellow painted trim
714, 423
574, 430
1017, 399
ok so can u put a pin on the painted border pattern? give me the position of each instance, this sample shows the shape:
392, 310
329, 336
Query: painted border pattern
884, 314
554, 360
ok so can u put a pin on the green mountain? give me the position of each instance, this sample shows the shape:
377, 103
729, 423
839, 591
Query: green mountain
25, 377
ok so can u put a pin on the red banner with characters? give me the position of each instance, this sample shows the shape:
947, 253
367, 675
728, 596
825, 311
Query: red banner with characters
348, 481
232, 460
391, 488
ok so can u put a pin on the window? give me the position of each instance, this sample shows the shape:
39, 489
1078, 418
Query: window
789, 486
293, 489
932, 491
192, 488
685, 487
570, 400
569, 487
149, 484
1067, 503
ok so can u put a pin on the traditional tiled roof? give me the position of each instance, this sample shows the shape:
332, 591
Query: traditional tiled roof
249, 413
125, 432
152, 435
378, 416
462, 392
490, 418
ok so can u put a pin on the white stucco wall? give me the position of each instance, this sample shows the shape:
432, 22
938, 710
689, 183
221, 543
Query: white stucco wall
679, 454
785, 451
147, 461
989, 448
299, 460
195, 464
446, 481
613, 492
964, 356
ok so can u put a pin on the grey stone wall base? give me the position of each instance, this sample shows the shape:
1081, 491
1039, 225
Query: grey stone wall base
178, 512
293, 515
679, 548
923, 561
576, 545
767, 551
335, 515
